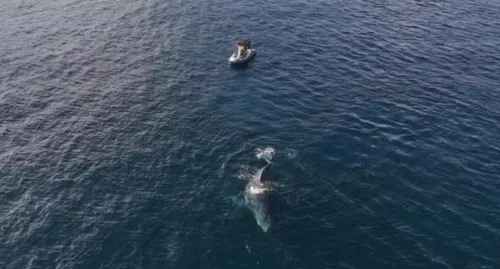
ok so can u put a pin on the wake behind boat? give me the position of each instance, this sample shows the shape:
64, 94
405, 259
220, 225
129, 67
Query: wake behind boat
243, 52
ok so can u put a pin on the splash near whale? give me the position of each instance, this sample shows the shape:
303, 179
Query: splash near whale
258, 191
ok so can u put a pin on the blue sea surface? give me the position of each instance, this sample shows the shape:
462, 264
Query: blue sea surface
128, 141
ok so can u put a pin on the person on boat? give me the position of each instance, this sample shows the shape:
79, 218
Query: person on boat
247, 44
240, 49
243, 52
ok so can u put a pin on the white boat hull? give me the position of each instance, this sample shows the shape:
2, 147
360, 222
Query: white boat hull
234, 60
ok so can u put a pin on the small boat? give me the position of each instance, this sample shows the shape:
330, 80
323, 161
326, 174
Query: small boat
243, 52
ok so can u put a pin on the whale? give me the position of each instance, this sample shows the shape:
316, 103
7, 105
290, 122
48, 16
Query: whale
258, 196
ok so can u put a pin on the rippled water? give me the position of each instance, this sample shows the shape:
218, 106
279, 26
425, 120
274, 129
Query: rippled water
126, 140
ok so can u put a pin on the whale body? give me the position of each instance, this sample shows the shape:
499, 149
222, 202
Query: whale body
257, 197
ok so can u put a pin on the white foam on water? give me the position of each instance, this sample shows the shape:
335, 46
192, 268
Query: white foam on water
265, 153
257, 189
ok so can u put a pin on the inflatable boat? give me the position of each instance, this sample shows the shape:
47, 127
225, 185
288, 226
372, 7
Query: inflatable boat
243, 52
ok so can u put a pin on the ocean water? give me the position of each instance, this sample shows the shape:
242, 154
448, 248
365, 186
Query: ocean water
127, 141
